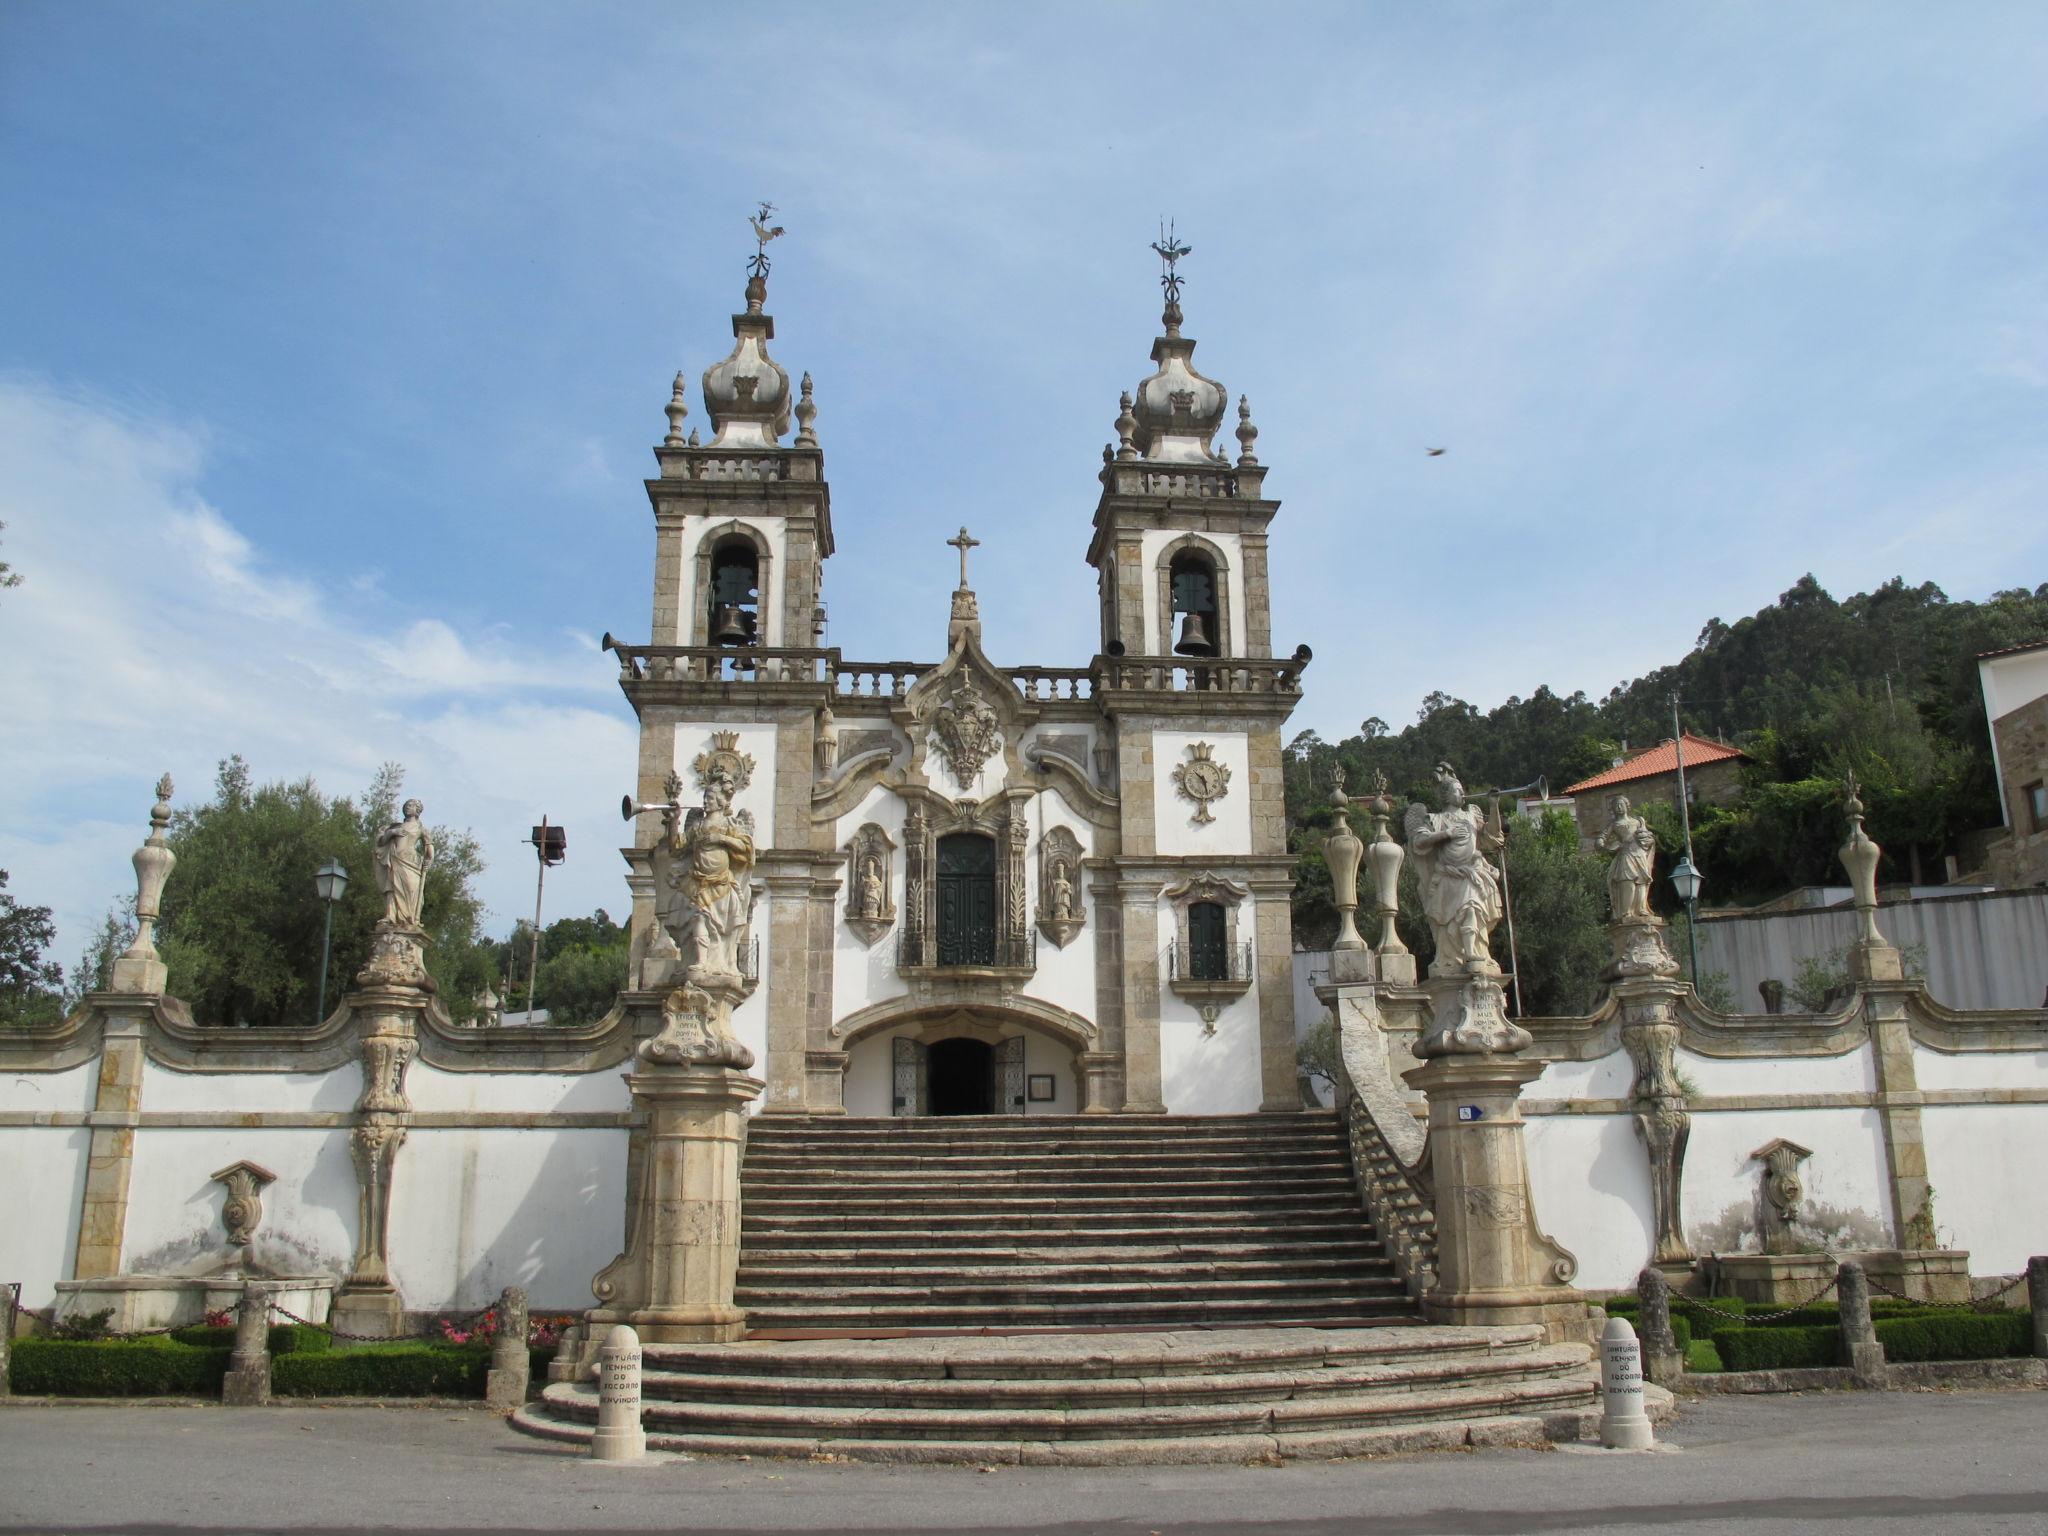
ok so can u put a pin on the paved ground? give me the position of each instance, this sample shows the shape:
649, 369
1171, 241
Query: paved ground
1910, 1462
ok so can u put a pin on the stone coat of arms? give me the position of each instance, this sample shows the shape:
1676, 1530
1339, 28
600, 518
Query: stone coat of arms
968, 731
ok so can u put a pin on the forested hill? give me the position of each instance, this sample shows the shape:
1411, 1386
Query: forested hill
1883, 683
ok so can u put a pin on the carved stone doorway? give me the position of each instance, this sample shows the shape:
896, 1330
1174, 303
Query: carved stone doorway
958, 1073
962, 1077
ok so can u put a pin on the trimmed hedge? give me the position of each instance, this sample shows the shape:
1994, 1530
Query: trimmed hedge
285, 1339
152, 1367
1777, 1349
1955, 1336
384, 1370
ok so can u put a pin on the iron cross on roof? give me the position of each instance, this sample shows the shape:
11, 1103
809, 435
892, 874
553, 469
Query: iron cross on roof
964, 543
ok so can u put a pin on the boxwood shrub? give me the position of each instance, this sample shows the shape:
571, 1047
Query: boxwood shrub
285, 1339
1777, 1349
384, 1370
151, 1367
1955, 1336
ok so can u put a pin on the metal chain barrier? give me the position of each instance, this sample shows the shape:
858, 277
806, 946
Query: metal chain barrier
1974, 1304
432, 1332
1710, 1310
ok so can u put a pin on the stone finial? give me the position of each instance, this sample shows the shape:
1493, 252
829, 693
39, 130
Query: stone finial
1342, 851
695, 440
242, 1212
1247, 434
1859, 856
489, 1009
1386, 857
139, 969
676, 410
806, 416
1126, 428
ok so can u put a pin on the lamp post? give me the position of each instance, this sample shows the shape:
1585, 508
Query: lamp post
330, 882
551, 845
1685, 876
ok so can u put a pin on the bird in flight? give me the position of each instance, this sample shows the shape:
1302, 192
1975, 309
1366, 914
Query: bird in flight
1436, 453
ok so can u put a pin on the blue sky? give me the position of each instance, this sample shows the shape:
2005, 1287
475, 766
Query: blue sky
333, 340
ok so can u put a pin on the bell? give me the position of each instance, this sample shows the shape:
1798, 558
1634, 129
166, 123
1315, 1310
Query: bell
728, 625
1194, 637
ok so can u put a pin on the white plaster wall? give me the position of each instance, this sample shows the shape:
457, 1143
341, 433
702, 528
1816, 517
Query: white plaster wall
1174, 815
435, 1091
39, 1215
1845, 1174
1201, 1073
1605, 1077
1851, 1072
776, 532
1979, 1069
309, 1214
166, 1090
1065, 977
1591, 1184
871, 1073
73, 1090
473, 1211
1092, 736
755, 741
1984, 1161
1153, 545
863, 973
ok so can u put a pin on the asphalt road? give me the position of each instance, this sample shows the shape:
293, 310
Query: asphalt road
1960, 1462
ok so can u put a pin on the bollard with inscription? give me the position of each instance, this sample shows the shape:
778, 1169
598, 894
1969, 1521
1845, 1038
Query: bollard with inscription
1624, 1422
618, 1437
511, 1363
1861, 1350
2037, 1298
247, 1382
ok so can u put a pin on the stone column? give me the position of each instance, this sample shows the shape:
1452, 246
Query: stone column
1650, 1033
1494, 1265
1860, 1348
511, 1364
247, 1383
1663, 1360
1143, 1093
674, 1282
2037, 1301
392, 992
110, 1155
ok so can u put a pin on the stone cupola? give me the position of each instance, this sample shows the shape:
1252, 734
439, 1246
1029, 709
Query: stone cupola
747, 393
1177, 410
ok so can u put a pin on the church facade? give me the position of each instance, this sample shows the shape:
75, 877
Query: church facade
981, 886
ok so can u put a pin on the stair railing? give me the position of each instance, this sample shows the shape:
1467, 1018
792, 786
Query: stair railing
1397, 1195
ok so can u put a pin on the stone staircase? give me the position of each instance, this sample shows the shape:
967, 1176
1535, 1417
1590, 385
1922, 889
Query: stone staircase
1070, 1221
1093, 1399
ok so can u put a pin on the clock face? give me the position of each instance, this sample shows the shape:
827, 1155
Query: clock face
1204, 780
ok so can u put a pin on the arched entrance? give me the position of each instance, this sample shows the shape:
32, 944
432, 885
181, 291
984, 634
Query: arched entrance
962, 1077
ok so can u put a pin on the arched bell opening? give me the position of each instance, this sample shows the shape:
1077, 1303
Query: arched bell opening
735, 592
1197, 619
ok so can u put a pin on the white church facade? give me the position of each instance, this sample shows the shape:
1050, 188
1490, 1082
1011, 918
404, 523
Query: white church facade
983, 887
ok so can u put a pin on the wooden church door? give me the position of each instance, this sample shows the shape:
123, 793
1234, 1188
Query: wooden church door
967, 899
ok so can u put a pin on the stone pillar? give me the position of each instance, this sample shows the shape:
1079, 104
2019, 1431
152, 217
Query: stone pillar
10, 1298
1494, 1265
247, 1383
1650, 1034
511, 1363
1860, 1349
1343, 851
2037, 1299
110, 1155
619, 1436
674, 1282
1143, 1094
1663, 1360
392, 992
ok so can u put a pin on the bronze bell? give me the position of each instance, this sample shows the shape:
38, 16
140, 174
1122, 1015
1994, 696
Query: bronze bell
1194, 637
728, 625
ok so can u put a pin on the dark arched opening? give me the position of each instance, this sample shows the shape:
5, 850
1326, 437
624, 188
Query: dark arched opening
1208, 942
1192, 583
735, 592
962, 1077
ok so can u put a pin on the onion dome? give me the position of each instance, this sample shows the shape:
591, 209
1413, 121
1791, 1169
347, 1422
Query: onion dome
1178, 411
748, 393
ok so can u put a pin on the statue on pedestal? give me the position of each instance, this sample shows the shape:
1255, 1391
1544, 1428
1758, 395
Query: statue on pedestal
704, 900
1634, 846
1461, 897
404, 853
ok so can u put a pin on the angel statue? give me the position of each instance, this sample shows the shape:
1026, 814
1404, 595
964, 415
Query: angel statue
1634, 846
1452, 849
705, 898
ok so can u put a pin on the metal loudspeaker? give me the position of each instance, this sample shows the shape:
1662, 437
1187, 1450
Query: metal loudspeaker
1194, 637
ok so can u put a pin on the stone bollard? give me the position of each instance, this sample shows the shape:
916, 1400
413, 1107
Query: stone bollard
1624, 1423
2037, 1298
511, 1365
1860, 1349
247, 1383
1663, 1360
568, 1354
618, 1437
10, 1298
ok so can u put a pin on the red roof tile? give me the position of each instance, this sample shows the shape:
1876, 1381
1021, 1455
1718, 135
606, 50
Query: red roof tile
1660, 759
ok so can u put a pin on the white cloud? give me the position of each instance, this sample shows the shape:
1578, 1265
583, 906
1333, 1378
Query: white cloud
150, 633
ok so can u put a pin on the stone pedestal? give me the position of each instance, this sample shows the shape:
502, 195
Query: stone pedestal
1494, 1265
1924, 1274
674, 1282
392, 993
1782, 1279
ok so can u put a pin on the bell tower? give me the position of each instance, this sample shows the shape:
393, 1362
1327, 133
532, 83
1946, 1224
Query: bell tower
1179, 547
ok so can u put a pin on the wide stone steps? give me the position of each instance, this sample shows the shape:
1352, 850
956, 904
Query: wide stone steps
1099, 1398
1001, 1270
1080, 1254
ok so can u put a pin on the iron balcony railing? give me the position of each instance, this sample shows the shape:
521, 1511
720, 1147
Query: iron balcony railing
1187, 962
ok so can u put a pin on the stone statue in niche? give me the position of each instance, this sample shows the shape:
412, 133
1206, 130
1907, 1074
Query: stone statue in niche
870, 911
403, 854
968, 730
1460, 886
1634, 846
1061, 913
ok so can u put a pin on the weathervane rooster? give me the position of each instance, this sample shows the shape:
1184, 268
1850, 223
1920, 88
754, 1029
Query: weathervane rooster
757, 264
1170, 252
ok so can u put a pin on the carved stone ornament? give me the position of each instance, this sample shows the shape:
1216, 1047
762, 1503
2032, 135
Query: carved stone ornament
1783, 1193
968, 730
1496, 1206
1203, 780
1061, 911
397, 958
243, 1210
870, 883
724, 755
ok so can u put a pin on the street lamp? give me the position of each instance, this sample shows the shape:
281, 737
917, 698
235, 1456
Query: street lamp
1686, 881
330, 883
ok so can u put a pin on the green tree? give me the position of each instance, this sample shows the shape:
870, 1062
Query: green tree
583, 964
30, 986
241, 924
1560, 912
